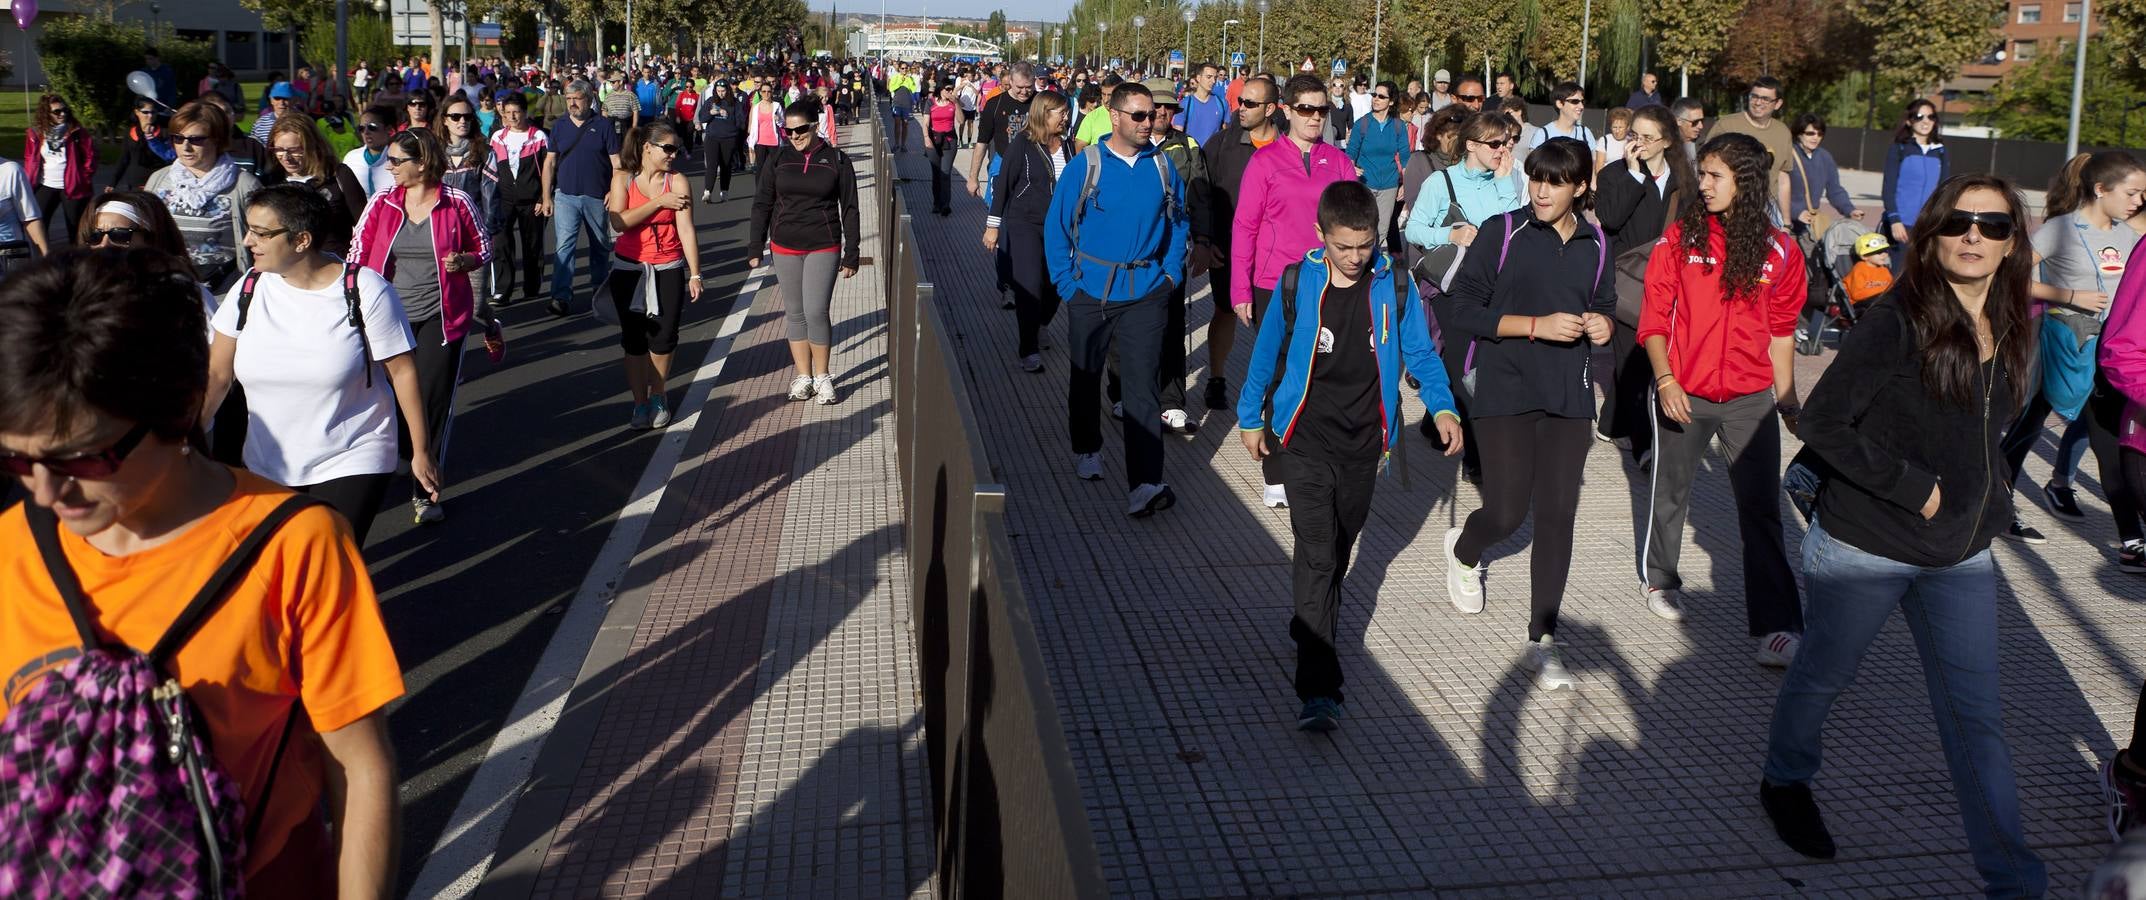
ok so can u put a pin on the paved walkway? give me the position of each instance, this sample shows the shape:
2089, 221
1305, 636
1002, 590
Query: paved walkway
1169, 655
747, 723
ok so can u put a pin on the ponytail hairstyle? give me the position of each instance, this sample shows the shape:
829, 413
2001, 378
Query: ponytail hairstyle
2075, 185
1748, 227
1944, 336
629, 152
1684, 181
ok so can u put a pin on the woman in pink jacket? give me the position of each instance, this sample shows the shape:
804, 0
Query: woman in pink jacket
1277, 212
425, 239
2122, 359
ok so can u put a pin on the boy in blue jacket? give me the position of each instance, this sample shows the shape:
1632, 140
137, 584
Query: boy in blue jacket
1333, 358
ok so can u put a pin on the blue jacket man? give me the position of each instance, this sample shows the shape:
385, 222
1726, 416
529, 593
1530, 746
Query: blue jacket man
1114, 240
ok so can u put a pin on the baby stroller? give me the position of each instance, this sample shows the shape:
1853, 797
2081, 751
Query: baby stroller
1829, 257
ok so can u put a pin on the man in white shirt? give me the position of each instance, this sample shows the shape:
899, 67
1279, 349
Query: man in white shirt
21, 224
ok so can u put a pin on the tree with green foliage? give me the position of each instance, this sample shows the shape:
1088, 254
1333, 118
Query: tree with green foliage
2123, 24
1924, 43
1691, 33
2034, 101
87, 59
371, 38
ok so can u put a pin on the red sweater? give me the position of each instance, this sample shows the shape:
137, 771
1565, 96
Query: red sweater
1719, 348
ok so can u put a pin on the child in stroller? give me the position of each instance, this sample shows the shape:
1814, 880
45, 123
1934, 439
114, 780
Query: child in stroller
1836, 251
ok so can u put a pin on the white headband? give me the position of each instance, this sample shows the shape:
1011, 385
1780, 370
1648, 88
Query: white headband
125, 211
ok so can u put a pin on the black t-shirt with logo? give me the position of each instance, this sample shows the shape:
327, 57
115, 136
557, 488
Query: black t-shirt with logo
1003, 117
1339, 420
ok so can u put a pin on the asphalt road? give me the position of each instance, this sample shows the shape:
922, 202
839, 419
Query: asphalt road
539, 464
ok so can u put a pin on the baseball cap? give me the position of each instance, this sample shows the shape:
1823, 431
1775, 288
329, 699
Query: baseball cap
283, 90
1165, 92
1441, 76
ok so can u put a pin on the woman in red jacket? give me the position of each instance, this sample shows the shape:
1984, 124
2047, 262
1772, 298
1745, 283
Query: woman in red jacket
1723, 291
60, 159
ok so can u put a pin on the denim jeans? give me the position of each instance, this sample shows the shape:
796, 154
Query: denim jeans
569, 213
1952, 612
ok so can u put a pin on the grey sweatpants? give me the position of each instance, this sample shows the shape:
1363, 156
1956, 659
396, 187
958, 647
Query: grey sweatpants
807, 283
1750, 434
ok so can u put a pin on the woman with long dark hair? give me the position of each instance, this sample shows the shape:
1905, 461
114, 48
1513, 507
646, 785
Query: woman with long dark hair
1637, 195
941, 121
1723, 289
61, 159
805, 215
1914, 166
1907, 419
1019, 202
469, 170
657, 269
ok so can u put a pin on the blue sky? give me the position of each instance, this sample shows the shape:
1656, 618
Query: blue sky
1056, 9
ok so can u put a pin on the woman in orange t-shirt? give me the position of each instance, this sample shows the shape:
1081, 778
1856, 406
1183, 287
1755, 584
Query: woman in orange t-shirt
98, 424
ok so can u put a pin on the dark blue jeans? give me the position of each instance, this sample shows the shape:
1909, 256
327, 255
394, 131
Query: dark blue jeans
1136, 327
1952, 612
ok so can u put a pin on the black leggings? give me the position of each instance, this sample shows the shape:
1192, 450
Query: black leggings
639, 334
1530, 460
438, 368
53, 202
722, 158
2104, 420
357, 497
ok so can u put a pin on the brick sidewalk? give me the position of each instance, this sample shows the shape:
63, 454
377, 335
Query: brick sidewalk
760, 734
1168, 651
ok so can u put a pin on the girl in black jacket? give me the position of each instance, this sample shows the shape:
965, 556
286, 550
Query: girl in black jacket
1019, 202
1907, 420
722, 122
1633, 197
805, 211
148, 148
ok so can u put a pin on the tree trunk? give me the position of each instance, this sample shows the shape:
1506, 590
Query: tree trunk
439, 41
291, 37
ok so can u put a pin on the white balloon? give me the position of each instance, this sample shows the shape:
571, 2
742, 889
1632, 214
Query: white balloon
140, 83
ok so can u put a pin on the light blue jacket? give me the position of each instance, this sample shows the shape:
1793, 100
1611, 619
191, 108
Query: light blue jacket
1397, 332
1482, 195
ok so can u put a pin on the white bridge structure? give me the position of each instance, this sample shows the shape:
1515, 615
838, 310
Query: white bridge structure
918, 43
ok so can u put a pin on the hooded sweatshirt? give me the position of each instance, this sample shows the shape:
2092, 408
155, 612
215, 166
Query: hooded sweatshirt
2123, 349
1277, 218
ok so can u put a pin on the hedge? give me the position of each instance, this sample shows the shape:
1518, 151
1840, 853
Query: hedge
87, 61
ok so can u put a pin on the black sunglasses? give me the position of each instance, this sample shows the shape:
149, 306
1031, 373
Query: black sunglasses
669, 149
1468, 98
1995, 226
1382, 96
1918, 117
372, 126
191, 140
800, 130
122, 236
1140, 116
1494, 145
89, 465
1249, 103
457, 117
1305, 109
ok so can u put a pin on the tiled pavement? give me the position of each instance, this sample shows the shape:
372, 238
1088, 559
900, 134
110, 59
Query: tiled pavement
1167, 648
760, 735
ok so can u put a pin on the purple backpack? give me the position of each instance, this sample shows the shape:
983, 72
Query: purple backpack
107, 785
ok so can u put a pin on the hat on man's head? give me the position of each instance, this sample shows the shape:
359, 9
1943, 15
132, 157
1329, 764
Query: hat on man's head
1441, 76
283, 91
1165, 91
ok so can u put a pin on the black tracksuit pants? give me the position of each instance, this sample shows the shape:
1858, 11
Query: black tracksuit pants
1135, 327
1535, 461
439, 366
1328, 503
721, 155
1170, 371
522, 236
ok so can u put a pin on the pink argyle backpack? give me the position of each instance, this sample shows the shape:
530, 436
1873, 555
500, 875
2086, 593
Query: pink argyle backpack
107, 785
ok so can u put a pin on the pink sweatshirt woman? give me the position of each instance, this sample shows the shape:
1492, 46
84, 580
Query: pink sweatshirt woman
1277, 218
2123, 349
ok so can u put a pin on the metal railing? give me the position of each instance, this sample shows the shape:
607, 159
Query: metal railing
1006, 807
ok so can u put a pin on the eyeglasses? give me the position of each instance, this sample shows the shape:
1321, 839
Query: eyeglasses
190, 140
1467, 98
1137, 116
1921, 117
101, 464
372, 126
800, 130
1814, 134
265, 234
122, 236
1250, 103
1646, 138
1758, 99
1498, 144
424, 103
394, 162
668, 149
1994, 226
1692, 122
1305, 109
289, 152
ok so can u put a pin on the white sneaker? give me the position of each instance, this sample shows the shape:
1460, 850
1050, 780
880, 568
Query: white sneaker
1117, 410
801, 387
1173, 419
1548, 661
721, 196
823, 390
705, 196
659, 412
1088, 466
1662, 603
1276, 497
1464, 584
1779, 649
1149, 499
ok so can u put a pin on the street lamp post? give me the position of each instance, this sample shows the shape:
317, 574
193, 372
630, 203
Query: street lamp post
1189, 16
1226, 23
1378, 25
1587, 13
2078, 80
1139, 23
1102, 43
1262, 36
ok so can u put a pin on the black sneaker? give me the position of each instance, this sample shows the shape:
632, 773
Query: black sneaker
1320, 714
1795, 819
1217, 393
2132, 557
1472, 474
2063, 501
2025, 533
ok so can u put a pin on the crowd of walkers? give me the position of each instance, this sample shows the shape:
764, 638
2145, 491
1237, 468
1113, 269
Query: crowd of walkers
1541, 285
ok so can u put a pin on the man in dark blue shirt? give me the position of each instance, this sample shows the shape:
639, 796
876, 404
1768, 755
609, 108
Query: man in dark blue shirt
1648, 94
576, 177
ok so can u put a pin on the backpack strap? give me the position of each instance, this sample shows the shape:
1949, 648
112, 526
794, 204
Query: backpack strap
1506, 245
227, 575
357, 318
45, 531
245, 295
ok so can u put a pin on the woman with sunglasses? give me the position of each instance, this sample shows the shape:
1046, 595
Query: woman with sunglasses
376, 126
61, 159
323, 424
426, 239
421, 106
126, 219
1442, 223
206, 191
1378, 145
657, 270
1914, 166
302, 157
1276, 220
98, 413
805, 213
763, 126
148, 148
1908, 419
469, 170
1723, 290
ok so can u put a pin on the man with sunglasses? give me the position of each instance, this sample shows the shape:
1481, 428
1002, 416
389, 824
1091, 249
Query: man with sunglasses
1118, 263
280, 101
1690, 114
1761, 119
577, 175
1225, 158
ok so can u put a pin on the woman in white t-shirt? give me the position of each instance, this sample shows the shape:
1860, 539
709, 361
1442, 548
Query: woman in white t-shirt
320, 410
368, 161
